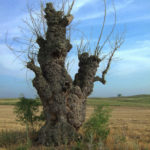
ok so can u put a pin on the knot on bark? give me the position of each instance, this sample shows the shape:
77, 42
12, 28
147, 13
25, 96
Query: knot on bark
56, 17
86, 59
60, 133
67, 20
52, 16
66, 86
40, 41
49, 9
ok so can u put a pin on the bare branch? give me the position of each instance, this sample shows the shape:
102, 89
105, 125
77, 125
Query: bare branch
101, 33
98, 47
70, 8
31, 65
102, 80
69, 64
111, 32
83, 47
42, 17
118, 42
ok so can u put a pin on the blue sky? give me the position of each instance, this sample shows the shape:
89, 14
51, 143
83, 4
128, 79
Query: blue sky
130, 70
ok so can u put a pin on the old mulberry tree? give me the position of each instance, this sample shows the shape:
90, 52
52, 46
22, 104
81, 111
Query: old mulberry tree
63, 98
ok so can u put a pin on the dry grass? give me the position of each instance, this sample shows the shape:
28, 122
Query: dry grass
8, 101
8, 119
130, 126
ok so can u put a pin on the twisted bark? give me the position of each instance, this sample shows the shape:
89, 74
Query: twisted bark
64, 100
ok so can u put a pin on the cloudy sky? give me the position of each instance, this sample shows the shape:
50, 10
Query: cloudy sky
130, 70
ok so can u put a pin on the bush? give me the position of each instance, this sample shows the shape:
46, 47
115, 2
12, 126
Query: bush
26, 111
119, 95
8, 138
96, 128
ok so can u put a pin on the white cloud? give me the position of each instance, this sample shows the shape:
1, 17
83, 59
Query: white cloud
127, 62
134, 19
144, 43
11, 65
8, 60
79, 4
118, 6
11, 28
133, 61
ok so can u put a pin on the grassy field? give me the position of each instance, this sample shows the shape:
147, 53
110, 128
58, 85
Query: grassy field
134, 101
129, 122
8, 101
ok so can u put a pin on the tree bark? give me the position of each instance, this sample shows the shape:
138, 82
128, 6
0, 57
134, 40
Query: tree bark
64, 100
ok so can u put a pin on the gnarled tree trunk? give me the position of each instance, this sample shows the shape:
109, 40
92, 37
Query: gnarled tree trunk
64, 100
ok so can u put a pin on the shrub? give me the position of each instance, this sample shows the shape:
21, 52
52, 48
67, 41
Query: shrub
119, 95
96, 128
26, 110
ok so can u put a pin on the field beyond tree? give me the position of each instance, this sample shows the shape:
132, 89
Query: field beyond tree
129, 123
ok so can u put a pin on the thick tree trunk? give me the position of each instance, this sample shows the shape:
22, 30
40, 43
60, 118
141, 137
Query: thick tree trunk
64, 100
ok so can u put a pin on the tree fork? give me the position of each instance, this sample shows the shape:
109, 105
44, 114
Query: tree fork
63, 100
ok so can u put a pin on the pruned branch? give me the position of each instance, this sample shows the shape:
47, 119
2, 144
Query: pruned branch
67, 19
31, 65
118, 42
102, 80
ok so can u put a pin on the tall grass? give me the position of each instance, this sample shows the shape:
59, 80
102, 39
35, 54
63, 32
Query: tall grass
8, 138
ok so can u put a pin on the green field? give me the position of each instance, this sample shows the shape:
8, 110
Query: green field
138, 100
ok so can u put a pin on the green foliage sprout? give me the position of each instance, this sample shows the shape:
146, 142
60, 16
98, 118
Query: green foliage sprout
96, 128
26, 110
